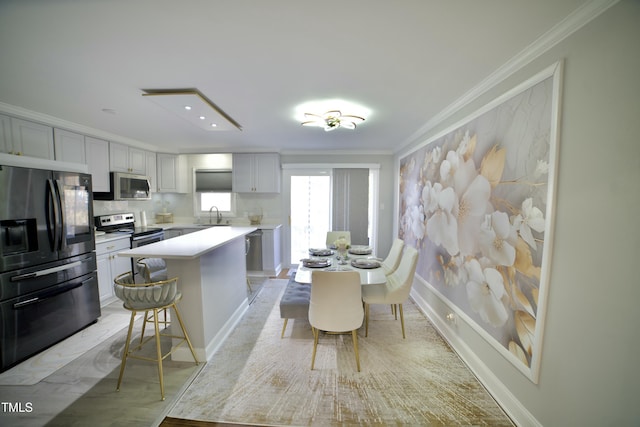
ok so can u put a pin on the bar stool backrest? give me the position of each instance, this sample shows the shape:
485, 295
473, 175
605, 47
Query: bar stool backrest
145, 296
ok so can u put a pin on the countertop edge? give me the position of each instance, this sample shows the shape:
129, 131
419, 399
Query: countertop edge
189, 246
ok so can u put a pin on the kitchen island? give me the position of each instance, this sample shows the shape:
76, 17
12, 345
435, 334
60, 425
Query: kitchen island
211, 267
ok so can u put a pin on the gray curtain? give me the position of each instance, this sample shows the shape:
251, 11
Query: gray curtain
351, 203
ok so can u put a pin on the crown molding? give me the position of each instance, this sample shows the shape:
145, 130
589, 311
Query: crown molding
56, 122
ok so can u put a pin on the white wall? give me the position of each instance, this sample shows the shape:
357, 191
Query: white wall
589, 374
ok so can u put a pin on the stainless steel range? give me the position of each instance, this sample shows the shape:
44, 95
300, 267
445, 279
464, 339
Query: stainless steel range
125, 223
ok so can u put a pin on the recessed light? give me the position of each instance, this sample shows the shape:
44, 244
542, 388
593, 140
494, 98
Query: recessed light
194, 107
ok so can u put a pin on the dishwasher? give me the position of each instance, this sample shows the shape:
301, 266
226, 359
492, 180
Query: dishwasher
254, 251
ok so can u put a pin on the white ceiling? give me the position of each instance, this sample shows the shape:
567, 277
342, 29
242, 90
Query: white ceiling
406, 61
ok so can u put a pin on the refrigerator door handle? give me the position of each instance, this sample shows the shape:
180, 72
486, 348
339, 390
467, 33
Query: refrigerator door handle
53, 215
61, 218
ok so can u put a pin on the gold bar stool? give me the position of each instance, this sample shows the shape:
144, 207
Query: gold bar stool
149, 297
152, 270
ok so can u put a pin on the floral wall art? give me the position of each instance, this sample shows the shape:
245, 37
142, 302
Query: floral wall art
477, 201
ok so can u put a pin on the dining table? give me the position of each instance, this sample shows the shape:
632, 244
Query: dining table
358, 260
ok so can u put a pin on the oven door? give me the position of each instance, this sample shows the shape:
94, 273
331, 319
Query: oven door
137, 241
35, 321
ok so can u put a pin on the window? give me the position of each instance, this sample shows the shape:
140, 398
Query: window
213, 189
225, 202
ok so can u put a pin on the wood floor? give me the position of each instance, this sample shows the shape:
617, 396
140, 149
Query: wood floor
177, 422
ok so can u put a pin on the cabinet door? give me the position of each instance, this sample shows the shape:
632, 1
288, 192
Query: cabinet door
110, 265
119, 264
170, 170
150, 164
105, 279
5, 134
271, 260
137, 161
69, 146
97, 154
242, 175
32, 139
118, 157
267, 173
256, 173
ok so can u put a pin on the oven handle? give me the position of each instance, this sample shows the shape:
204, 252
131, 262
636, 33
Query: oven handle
46, 271
52, 294
148, 237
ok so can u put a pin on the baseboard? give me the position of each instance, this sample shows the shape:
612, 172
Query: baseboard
183, 352
509, 403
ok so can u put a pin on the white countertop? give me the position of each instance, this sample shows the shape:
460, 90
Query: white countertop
191, 245
107, 237
170, 225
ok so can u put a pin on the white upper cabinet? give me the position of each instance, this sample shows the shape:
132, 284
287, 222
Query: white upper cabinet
152, 169
171, 173
26, 138
69, 146
93, 152
5, 134
97, 158
127, 159
256, 173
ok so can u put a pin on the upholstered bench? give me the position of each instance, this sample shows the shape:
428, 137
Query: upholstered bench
294, 303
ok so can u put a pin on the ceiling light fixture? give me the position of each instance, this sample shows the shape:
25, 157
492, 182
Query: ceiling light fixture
332, 120
194, 107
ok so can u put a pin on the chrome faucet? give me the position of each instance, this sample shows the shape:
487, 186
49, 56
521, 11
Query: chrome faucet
218, 216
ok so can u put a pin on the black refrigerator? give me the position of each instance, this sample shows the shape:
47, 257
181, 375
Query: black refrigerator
48, 279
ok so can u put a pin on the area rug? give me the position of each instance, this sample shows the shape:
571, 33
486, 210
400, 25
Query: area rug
259, 378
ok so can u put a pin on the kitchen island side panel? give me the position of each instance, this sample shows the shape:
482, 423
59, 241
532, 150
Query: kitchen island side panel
214, 296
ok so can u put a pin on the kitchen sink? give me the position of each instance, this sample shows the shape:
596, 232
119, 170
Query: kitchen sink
210, 225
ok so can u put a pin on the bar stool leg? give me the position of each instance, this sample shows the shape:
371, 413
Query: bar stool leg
144, 325
125, 353
184, 332
158, 351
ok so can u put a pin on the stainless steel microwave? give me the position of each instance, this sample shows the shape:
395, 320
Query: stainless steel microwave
126, 186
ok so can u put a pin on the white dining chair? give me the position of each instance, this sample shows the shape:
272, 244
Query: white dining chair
391, 262
396, 290
335, 306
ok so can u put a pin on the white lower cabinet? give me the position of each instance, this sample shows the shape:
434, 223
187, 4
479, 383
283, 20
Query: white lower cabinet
110, 265
271, 258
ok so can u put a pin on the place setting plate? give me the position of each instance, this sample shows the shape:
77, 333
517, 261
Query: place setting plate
320, 252
360, 250
316, 262
365, 263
